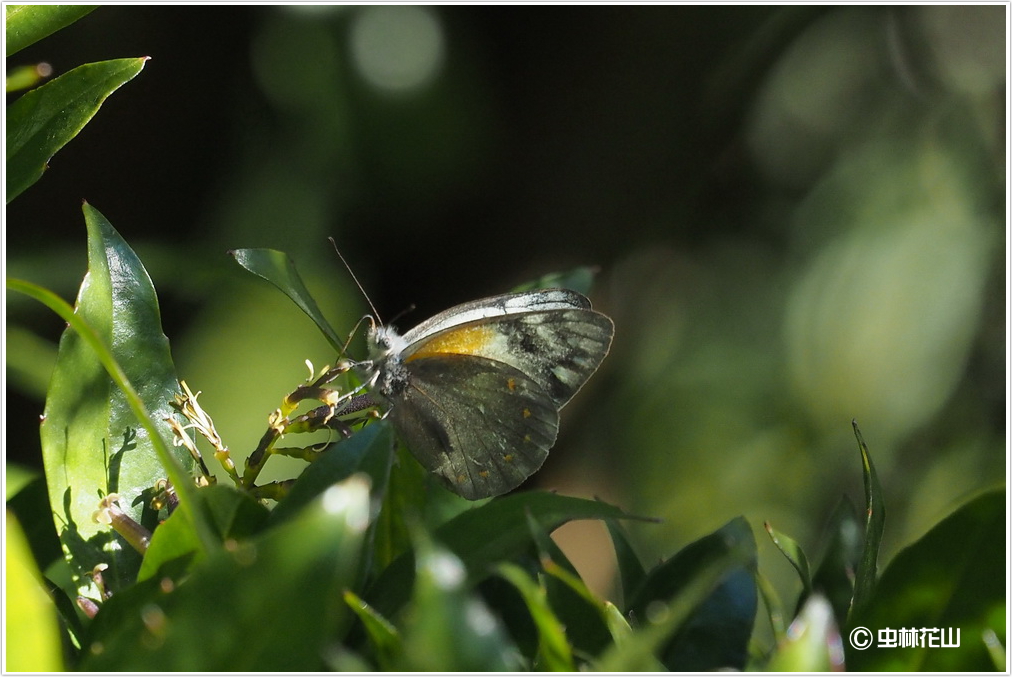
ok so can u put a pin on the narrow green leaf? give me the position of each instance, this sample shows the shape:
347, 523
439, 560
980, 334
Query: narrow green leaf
385, 639
273, 603
33, 636
813, 641
716, 634
794, 554
577, 608
834, 576
874, 525
488, 534
103, 437
953, 578
27, 24
279, 269
45, 119
554, 653
630, 568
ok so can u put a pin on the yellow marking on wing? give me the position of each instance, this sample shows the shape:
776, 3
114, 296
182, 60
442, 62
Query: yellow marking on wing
511, 384
527, 412
464, 341
508, 458
483, 473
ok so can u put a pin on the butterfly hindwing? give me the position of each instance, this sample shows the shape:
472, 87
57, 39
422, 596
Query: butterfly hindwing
481, 426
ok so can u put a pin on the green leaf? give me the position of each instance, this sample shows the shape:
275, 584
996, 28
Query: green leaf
813, 641
554, 653
279, 269
954, 577
488, 534
447, 629
233, 514
45, 119
27, 24
385, 639
717, 632
33, 636
630, 568
369, 450
867, 570
834, 577
93, 441
695, 596
794, 554
273, 603
577, 608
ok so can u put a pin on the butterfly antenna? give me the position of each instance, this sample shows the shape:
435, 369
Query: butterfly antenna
357, 283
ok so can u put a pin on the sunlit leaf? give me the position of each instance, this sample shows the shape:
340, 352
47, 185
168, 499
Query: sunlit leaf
279, 269
33, 637
45, 119
93, 444
272, 603
27, 24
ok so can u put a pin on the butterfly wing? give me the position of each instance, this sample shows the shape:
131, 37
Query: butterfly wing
559, 349
482, 426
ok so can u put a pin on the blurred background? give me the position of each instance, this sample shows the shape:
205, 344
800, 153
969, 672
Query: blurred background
798, 215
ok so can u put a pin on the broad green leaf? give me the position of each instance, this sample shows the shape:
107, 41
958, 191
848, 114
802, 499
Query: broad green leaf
44, 120
716, 634
699, 584
874, 525
794, 554
553, 653
27, 24
447, 628
383, 636
813, 641
369, 450
272, 603
279, 269
33, 636
234, 515
954, 577
93, 442
488, 534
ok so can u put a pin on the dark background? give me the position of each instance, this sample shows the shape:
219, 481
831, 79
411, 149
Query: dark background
797, 214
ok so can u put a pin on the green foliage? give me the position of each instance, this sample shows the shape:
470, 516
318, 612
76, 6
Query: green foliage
363, 561
352, 568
